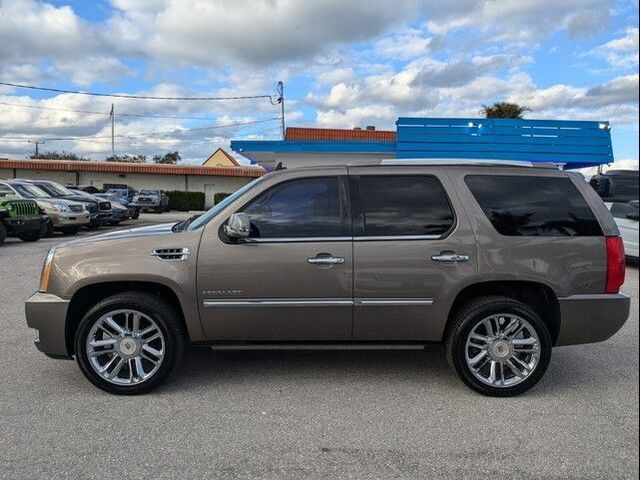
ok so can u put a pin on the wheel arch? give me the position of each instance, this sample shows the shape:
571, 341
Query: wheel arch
537, 295
88, 295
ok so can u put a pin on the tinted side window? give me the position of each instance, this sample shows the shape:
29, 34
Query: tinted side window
4, 190
533, 206
395, 205
299, 208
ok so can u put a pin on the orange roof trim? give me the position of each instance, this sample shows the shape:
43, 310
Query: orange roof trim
338, 134
116, 167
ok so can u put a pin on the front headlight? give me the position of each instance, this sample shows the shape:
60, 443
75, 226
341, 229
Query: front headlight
60, 207
46, 270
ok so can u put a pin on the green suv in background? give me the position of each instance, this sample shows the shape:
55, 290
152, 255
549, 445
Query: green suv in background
21, 218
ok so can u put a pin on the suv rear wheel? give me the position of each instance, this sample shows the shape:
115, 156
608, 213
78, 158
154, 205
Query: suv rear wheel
129, 343
499, 346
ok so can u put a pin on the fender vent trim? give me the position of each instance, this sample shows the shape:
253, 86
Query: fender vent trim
171, 254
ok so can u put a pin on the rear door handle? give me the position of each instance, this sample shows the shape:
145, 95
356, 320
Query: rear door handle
450, 257
325, 260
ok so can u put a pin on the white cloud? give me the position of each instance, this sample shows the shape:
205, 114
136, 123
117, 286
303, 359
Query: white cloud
519, 20
620, 52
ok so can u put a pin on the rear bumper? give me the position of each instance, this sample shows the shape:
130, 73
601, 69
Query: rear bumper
591, 318
47, 313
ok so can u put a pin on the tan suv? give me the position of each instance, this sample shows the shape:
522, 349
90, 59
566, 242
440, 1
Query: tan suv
499, 261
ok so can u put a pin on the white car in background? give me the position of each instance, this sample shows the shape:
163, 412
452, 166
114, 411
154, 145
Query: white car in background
626, 216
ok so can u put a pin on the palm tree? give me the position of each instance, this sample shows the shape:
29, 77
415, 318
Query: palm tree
504, 110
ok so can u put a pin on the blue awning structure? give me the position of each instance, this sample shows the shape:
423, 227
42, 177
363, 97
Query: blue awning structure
575, 144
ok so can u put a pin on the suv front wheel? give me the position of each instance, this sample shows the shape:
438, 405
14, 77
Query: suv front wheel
499, 346
129, 343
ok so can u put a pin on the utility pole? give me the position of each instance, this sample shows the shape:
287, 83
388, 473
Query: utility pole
113, 117
281, 101
36, 142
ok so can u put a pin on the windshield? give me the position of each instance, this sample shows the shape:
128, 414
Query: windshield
211, 213
55, 189
29, 191
149, 192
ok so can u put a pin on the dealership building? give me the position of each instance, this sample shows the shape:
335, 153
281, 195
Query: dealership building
571, 144
211, 178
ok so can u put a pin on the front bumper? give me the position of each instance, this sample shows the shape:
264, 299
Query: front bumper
100, 219
147, 206
47, 313
591, 318
70, 219
20, 225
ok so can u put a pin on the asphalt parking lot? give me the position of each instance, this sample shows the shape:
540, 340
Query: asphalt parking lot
296, 414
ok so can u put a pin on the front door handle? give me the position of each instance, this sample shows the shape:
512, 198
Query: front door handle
325, 260
450, 257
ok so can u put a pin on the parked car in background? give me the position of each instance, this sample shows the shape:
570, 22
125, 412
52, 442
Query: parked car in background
99, 210
119, 212
152, 200
125, 197
20, 218
63, 215
126, 192
626, 216
617, 185
497, 261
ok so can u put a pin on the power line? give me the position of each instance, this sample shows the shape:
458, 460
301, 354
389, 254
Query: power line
90, 112
139, 97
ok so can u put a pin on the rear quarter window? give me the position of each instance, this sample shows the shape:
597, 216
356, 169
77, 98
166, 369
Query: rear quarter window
519, 206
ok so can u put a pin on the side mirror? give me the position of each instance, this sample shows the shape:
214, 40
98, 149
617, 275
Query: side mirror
633, 216
238, 226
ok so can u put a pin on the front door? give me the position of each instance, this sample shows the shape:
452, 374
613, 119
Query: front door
410, 251
291, 280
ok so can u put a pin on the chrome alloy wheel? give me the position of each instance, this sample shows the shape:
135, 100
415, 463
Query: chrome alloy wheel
125, 347
502, 350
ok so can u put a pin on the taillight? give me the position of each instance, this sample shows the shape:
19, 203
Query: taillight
615, 264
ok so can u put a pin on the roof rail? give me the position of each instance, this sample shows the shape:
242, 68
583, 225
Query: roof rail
470, 162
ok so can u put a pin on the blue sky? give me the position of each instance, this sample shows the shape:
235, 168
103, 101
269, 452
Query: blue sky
344, 64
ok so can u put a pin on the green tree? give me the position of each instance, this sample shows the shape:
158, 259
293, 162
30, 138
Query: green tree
53, 155
170, 158
504, 110
127, 158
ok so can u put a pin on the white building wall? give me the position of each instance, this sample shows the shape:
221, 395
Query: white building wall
65, 178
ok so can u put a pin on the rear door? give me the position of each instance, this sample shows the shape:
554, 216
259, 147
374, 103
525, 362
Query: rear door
413, 248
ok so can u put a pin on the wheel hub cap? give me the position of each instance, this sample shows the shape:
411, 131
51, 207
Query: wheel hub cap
128, 346
500, 349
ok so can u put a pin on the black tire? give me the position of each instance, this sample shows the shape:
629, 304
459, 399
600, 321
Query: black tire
34, 235
156, 308
3, 232
159, 209
469, 316
135, 214
70, 230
